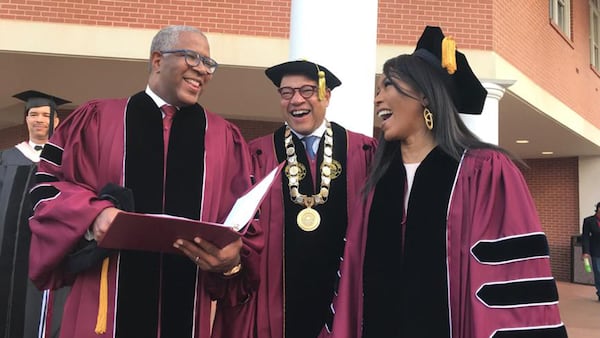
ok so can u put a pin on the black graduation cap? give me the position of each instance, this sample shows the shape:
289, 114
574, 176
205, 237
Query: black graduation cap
34, 98
314, 71
466, 90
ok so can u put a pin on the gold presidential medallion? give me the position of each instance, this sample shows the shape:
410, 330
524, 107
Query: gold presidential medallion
308, 219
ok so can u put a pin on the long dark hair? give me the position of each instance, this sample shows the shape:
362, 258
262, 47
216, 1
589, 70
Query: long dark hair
449, 132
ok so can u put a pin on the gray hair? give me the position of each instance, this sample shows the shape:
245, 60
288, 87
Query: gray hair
167, 37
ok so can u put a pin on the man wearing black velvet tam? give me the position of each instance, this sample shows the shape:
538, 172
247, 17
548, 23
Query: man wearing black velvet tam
305, 215
454, 246
24, 310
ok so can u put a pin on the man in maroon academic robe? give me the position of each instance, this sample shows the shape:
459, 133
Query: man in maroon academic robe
305, 215
123, 153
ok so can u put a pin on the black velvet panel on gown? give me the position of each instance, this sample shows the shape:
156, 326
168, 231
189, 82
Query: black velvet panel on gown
16, 178
149, 279
405, 279
312, 258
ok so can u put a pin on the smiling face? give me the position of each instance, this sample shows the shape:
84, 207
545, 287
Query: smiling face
171, 77
303, 115
401, 111
38, 123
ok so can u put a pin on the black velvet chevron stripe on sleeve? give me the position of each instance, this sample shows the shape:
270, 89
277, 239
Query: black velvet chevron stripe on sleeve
43, 192
519, 293
52, 154
511, 249
533, 332
44, 178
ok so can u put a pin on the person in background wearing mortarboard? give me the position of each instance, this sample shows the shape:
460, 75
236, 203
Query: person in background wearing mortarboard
25, 311
305, 216
454, 246
41, 119
156, 152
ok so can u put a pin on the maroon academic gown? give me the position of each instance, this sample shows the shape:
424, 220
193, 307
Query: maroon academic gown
495, 277
263, 315
100, 143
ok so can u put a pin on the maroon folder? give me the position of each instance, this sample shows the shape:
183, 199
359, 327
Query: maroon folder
151, 232
148, 232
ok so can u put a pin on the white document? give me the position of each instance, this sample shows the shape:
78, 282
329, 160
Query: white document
246, 206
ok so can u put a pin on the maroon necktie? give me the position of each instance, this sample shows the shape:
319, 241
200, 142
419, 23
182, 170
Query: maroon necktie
169, 112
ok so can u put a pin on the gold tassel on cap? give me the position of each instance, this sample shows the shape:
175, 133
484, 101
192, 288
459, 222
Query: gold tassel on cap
449, 54
102, 299
322, 84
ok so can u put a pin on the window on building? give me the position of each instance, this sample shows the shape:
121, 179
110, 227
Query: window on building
595, 33
560, 14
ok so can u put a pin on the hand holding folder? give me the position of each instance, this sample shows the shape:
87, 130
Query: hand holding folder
156, 232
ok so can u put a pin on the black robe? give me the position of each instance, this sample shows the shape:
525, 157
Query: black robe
21, 303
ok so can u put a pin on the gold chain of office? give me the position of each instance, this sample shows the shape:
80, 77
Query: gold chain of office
309, 219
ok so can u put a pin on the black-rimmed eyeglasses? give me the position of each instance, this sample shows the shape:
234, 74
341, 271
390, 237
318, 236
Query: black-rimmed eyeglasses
305, 91
193, 59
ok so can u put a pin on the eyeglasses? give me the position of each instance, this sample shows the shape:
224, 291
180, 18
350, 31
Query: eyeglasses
305, 91
193, 59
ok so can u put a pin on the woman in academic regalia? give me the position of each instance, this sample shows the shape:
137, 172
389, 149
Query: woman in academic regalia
454, 246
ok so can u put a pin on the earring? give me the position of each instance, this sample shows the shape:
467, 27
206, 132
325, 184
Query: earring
428, 118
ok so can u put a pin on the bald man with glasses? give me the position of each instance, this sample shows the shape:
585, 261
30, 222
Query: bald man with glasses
156, 152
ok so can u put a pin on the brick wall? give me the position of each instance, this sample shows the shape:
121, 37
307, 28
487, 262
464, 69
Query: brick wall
243, 17
400, 21
469, 21
554, 186
524, 36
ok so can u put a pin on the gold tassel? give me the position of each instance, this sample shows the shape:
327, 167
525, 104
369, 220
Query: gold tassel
449, 54
102, 299
322, 85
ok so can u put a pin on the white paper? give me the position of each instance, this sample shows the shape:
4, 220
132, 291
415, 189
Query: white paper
245, 207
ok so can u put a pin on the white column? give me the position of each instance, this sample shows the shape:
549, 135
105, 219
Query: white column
485, 126
342, 36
